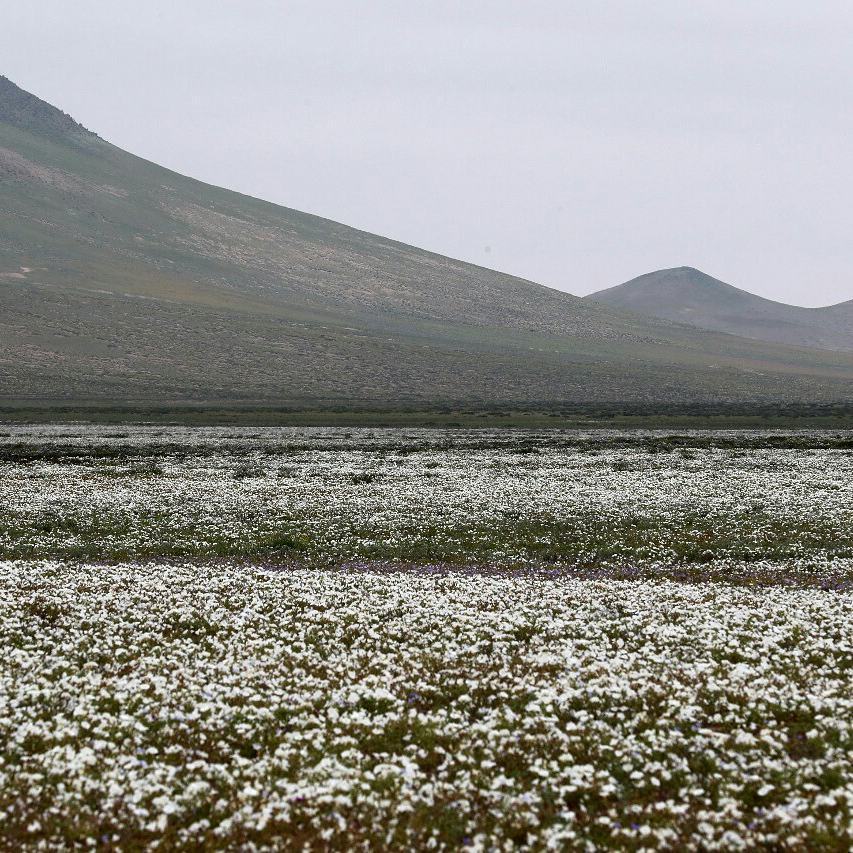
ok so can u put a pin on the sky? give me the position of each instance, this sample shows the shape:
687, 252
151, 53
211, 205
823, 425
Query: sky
577, 144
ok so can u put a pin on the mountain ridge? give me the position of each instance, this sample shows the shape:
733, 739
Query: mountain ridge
120, 279
26, 111
687, 295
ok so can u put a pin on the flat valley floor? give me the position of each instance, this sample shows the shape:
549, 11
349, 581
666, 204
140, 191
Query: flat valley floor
331, 638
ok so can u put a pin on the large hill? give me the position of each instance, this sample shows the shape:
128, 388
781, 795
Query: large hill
687, 295
122, 280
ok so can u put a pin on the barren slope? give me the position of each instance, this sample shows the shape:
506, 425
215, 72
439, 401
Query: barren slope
687, 295
123, 280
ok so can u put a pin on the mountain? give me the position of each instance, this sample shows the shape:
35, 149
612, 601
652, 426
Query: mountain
687, 295
123, 281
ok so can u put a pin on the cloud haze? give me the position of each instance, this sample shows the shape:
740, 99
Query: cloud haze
577, 144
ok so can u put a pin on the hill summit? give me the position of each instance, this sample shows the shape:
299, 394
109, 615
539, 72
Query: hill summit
687, 295
23, 110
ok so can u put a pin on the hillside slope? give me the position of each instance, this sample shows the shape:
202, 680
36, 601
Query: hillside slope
687, 295
122, 280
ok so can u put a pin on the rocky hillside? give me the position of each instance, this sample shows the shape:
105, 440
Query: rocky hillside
687, 295
122, 280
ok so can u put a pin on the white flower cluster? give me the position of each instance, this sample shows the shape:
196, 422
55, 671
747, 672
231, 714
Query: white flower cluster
492, 497
179, 706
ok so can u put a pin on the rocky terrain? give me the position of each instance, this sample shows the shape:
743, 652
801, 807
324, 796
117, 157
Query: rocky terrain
121, 280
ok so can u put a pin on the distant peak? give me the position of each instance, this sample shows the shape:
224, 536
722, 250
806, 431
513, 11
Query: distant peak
683, 276
690, 271
24, 110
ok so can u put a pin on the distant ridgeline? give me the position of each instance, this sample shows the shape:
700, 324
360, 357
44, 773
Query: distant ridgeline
687, 295
123, 281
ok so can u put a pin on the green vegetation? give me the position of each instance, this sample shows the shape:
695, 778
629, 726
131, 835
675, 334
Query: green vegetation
544, 416
687, 548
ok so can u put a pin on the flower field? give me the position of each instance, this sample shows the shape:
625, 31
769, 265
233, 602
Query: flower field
368, 639
732, 504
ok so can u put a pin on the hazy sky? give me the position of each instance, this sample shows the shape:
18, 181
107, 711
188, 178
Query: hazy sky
577, 144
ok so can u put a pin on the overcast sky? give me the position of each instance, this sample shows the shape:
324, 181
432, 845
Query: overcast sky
577, 144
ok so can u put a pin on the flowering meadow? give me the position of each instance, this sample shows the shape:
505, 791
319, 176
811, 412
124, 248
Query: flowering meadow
295, 638
736, 505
